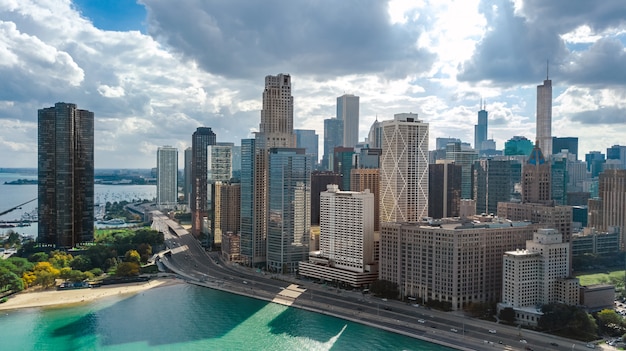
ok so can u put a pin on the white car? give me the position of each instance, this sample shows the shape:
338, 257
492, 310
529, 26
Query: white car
454, 330
421, 321
492, 331
523, 341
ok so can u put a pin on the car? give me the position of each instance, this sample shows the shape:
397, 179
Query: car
523, 341
554, 344
591, 346
454, 330
421, 321
492, 331
385, 300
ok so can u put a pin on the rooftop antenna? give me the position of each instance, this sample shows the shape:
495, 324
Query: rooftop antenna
547, 69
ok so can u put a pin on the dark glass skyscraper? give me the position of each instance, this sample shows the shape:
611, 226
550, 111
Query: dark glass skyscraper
480, 129
333, 137
66, 175
201, 139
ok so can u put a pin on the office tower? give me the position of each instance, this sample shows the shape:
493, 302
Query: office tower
65, 175
558, 180
219, 169
441, 143
518, 145
236, 159
368, 158
609, 210
188, 176
200, 140
492, 184
538, 275
404, 169
319, 183
544, 117
617, 152
594, 161
253, 226
348, 112
308, 140
536, 178
548, 216
480, 130
368, 179
444, 189
568, 143
276, 128
167, 177
333, 137
288, 212
465, 158
343, 165
454, 262
375, 136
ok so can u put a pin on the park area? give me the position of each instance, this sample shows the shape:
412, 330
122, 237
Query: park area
615, 278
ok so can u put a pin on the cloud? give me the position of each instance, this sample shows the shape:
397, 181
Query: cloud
520, 40
246, 39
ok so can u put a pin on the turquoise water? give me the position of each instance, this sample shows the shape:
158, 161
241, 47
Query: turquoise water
187, 317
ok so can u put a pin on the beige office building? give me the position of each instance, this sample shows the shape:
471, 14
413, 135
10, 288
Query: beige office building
548, 216
608, 212
453, 262
368, 178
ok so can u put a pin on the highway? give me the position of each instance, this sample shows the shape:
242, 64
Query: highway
188, 259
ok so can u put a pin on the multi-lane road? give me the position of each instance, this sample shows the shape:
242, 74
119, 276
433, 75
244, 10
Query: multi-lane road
188, 259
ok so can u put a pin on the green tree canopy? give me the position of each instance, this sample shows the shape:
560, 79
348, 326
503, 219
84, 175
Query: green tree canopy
385, 288
127, 269
10, 280
569, 321
132, 256
81, 263
508, 315
38, 257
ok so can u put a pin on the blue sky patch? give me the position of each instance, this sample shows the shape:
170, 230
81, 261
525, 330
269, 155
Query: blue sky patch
114, 15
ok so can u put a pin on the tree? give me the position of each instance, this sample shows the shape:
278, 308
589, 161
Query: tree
45, 274
127, 269
569, 321
38, 257
385, 288
81, 263
508, 315
18, 265
132, 256
610, 322
10, 281
60, 259
145, 250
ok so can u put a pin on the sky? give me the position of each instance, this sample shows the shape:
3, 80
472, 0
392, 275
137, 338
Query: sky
153, 71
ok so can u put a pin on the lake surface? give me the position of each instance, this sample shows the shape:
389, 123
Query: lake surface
187, 317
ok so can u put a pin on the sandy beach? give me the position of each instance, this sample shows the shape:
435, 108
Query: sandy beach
65, 297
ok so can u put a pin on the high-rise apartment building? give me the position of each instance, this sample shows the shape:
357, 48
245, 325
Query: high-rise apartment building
480, 130
609, 210
200, 141
225, 199
404, 169
544, 117
288, 213
308, 140
343, 164
319, 183
167, 177
65, 175
348, 112
444, 189
536, 175
333, 137
253, 192
219, 169
538, 275
188, 176
518, 145
558, 180
368, 179
450, 262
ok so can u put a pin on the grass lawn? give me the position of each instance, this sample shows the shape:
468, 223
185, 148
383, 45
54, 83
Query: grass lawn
601, 278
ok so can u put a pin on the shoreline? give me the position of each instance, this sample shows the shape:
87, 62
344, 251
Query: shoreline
62, 298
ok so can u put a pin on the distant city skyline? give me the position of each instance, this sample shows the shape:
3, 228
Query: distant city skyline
152, 77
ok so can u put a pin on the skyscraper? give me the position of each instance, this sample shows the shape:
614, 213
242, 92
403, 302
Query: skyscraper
348, 112
167, 177
375, 137
480, 129
276, 128
308, 140
201, 139
544, 117
288, 213
492, 184
444, 189
536, 175
333, 137
565, 143
464, 157
404, 169
610, 208
219, 169
188, 176
65, 175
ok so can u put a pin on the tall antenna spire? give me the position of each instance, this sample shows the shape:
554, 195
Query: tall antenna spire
547, 69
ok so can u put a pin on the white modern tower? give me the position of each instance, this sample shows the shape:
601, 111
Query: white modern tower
404, 169
348, 111
167, 176
544, 116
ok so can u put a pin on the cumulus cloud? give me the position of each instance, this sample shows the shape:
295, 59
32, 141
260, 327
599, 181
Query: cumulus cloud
249, 39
